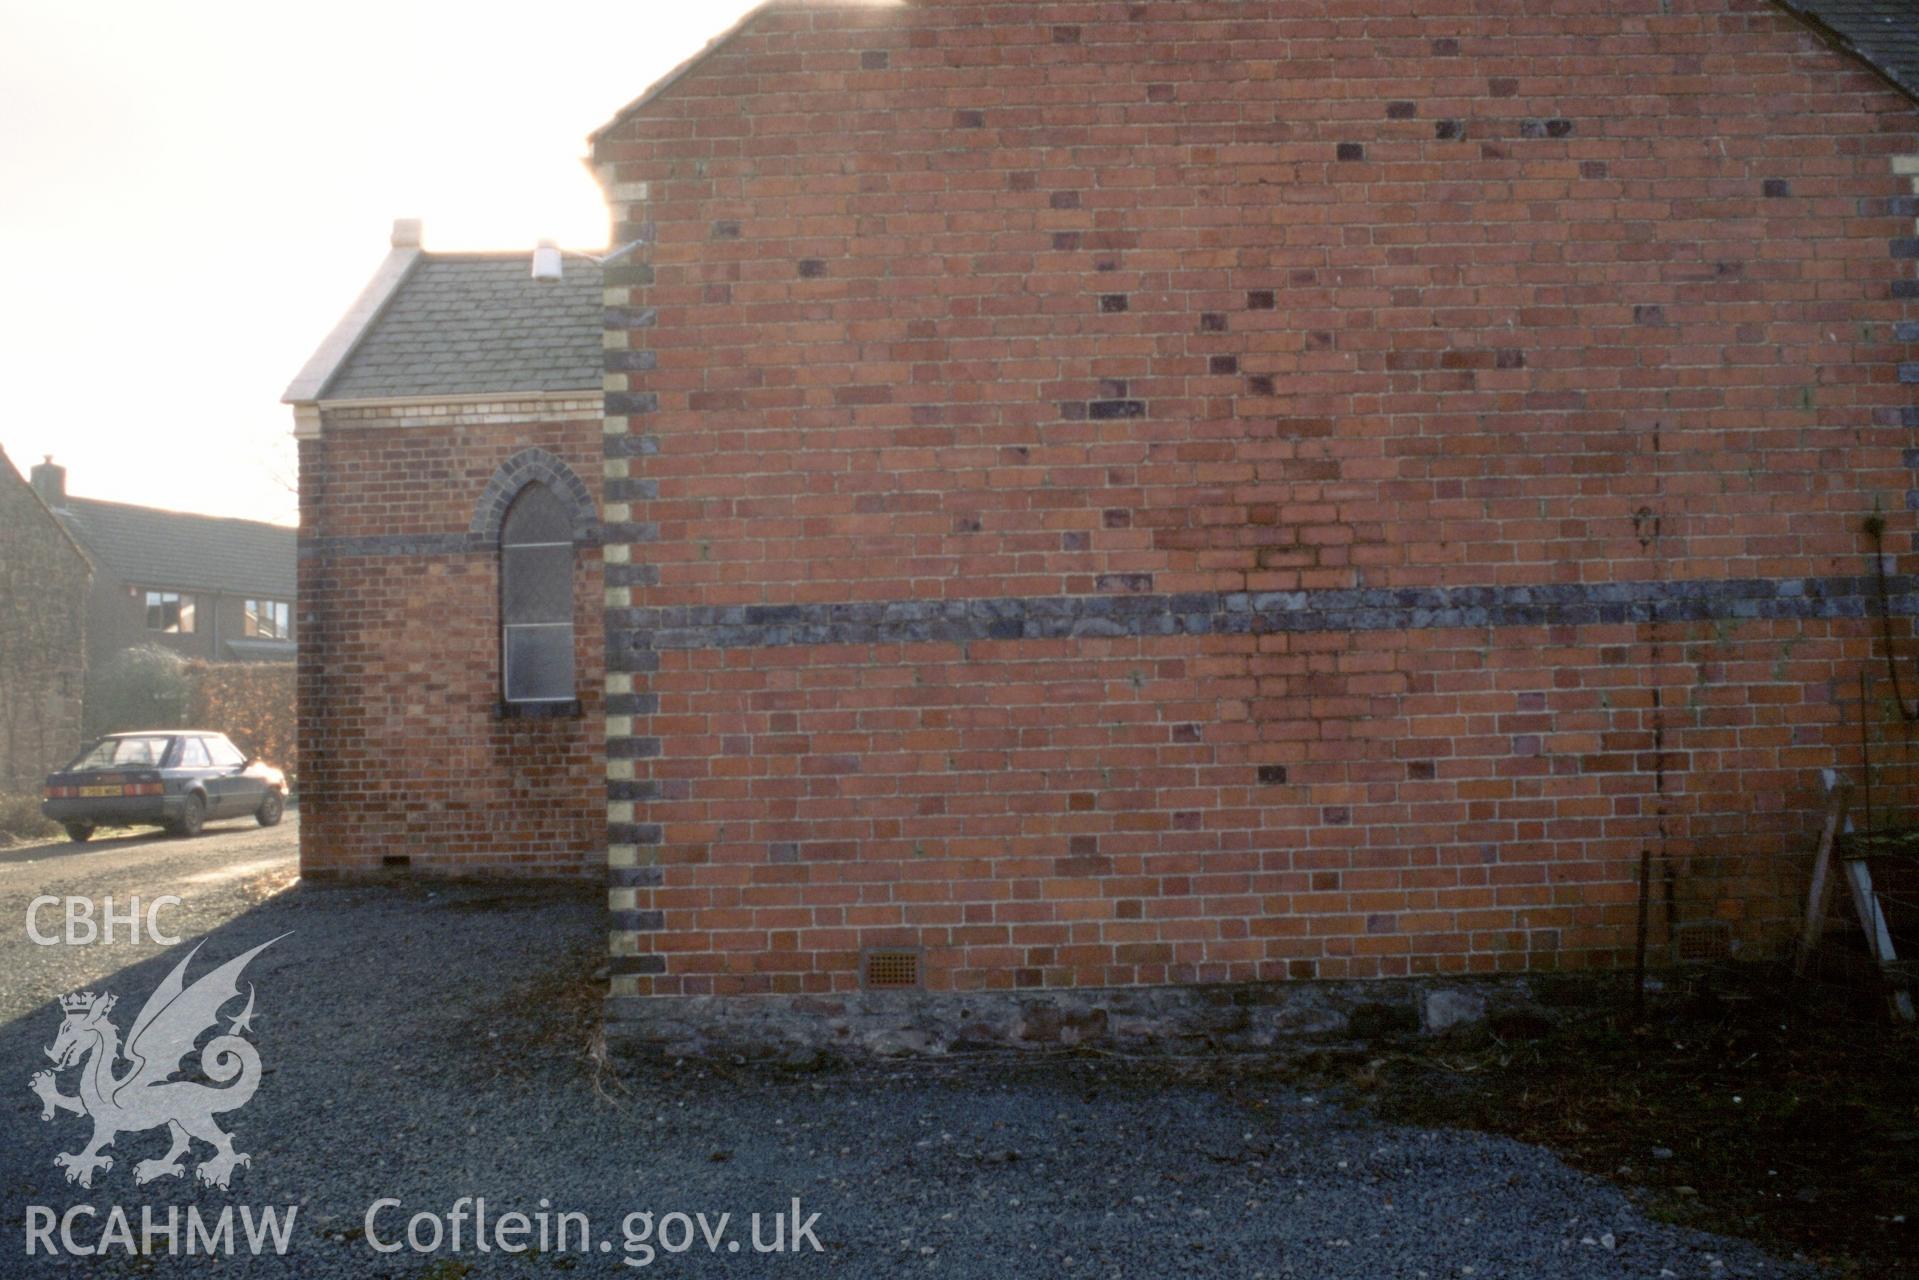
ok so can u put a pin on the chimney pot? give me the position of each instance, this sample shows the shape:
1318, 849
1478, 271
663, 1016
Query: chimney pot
546, 261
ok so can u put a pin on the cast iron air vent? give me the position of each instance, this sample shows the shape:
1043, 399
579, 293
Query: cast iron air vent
891, 969
1702, 941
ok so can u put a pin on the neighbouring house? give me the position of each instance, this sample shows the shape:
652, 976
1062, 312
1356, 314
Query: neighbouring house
43, 589
205, 587
1091, 500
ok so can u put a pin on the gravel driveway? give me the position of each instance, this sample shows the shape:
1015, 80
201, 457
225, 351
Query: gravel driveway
424, 1044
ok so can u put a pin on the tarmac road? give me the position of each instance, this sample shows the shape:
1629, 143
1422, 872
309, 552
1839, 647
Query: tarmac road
231, 867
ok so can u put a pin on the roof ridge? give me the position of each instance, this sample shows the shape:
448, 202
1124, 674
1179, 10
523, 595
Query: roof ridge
478, 322
497, 255
173, 511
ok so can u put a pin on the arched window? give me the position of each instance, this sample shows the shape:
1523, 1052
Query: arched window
536, 598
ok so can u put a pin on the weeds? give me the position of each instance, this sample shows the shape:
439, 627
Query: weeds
20, 819
1795, 1123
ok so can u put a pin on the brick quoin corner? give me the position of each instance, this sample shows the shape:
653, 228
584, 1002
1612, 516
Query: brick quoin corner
1198, 493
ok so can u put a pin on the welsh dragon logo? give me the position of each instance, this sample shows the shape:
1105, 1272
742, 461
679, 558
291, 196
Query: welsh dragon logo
142, 1096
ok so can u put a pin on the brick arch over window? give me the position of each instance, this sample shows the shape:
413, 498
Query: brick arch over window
531, 466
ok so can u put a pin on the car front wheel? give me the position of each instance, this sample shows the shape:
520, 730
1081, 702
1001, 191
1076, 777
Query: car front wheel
79, 832
271, 809
193, 818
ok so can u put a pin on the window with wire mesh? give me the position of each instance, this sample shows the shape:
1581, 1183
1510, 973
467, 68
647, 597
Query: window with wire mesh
536, 598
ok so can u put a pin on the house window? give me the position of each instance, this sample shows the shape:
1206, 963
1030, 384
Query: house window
536, 598
269, 620
170, 612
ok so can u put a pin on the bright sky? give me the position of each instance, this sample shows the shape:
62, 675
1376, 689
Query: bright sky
191, 194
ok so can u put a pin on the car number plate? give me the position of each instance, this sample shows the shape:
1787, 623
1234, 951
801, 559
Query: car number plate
102, 791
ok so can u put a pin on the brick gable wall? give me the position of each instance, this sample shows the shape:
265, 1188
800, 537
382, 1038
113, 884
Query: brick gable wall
404, 759
1177, 492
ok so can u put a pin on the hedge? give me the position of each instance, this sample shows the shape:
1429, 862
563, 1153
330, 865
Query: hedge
152, 688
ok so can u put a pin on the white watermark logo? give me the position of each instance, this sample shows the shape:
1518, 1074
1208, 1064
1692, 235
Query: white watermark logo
472, 1224
85, 1232
142, 1095
88, 923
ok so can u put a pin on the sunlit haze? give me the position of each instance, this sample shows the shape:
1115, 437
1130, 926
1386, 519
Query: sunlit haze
192, 194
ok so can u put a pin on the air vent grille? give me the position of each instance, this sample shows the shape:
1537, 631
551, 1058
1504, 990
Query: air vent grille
892, 969
1702, 941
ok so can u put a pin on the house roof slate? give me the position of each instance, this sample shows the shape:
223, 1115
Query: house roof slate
1883, 33
477, 324
149, 547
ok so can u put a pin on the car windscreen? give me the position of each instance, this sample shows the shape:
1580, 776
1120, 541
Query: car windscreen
123, 753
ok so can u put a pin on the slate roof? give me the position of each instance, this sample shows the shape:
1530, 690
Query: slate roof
1884, 33
148, 547
475, 323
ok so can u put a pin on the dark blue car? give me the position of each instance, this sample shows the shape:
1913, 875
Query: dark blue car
173, 778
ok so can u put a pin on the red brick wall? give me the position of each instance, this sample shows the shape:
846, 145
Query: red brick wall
402, 752
968, 301
1093, 812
